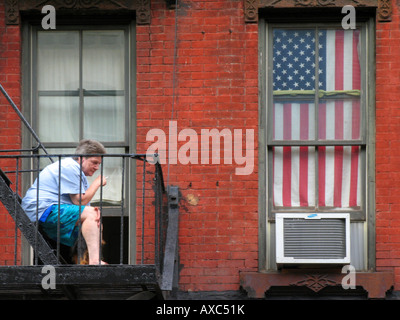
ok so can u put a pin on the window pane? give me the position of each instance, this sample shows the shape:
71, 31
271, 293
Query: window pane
113, 172
339, 171
294, 176
339, 61
293, 120
293, 60
339, 177
58, 60
58, 73
339, 119
339, 77
103, 60
58, 119
104, 118
103, 84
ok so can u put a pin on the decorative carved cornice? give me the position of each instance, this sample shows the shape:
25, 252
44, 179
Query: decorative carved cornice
251, 10
141, 7
143, 12
315, 282
251, 7
384, 10
11, 12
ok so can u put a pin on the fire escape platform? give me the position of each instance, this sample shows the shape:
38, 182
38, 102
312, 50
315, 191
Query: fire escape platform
79, 282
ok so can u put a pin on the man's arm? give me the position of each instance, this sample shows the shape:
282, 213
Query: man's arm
90, 192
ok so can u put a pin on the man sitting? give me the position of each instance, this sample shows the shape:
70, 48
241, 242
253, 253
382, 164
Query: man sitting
75, 197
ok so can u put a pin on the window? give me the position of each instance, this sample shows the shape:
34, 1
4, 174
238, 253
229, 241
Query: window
80, 88
316, 138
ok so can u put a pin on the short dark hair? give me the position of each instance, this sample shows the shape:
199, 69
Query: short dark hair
88, 146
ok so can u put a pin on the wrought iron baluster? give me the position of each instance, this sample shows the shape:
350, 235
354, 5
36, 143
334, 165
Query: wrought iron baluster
15, 210
121, 249
101, 206
143, 206
59, 209
37, 208
79, 254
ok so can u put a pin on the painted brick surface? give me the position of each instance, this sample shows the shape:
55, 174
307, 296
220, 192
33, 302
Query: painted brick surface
387, 146
10, 126
215, 86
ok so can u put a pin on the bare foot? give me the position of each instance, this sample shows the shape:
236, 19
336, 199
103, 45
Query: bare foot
101, 262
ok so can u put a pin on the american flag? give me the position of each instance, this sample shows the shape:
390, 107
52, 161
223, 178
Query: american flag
295, 57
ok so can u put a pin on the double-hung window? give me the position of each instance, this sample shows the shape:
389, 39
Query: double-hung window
316, 140
80, 88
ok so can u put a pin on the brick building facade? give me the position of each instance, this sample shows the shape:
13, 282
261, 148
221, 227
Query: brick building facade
199, 66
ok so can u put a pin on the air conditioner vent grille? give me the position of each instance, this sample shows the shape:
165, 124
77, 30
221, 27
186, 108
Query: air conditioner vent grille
314, 239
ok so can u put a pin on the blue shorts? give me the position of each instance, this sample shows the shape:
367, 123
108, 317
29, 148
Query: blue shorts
69, 228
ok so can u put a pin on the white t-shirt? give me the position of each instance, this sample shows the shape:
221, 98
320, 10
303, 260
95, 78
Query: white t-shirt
49, 184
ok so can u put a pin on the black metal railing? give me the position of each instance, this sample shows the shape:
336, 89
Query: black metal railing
147, 205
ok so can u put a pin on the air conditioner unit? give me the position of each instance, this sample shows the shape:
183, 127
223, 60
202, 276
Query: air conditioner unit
322, 238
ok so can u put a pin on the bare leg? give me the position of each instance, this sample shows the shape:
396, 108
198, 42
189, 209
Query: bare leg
91, 232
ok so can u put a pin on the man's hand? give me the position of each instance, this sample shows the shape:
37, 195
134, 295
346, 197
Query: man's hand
98, 181
86, 197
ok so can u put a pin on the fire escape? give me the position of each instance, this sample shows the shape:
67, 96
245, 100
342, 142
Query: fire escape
152, 275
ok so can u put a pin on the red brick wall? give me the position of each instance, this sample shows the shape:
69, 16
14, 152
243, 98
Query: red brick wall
10, 78
216, 87
10, 127
388, 145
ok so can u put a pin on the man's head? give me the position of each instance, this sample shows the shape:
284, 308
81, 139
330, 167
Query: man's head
90, 164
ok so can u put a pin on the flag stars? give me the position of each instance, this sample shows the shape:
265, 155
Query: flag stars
294, 62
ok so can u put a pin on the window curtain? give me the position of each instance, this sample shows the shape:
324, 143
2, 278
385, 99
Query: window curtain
58, 86
103, 82
59, 68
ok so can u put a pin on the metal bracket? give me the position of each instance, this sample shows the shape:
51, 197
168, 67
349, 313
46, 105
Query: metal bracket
169, 274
